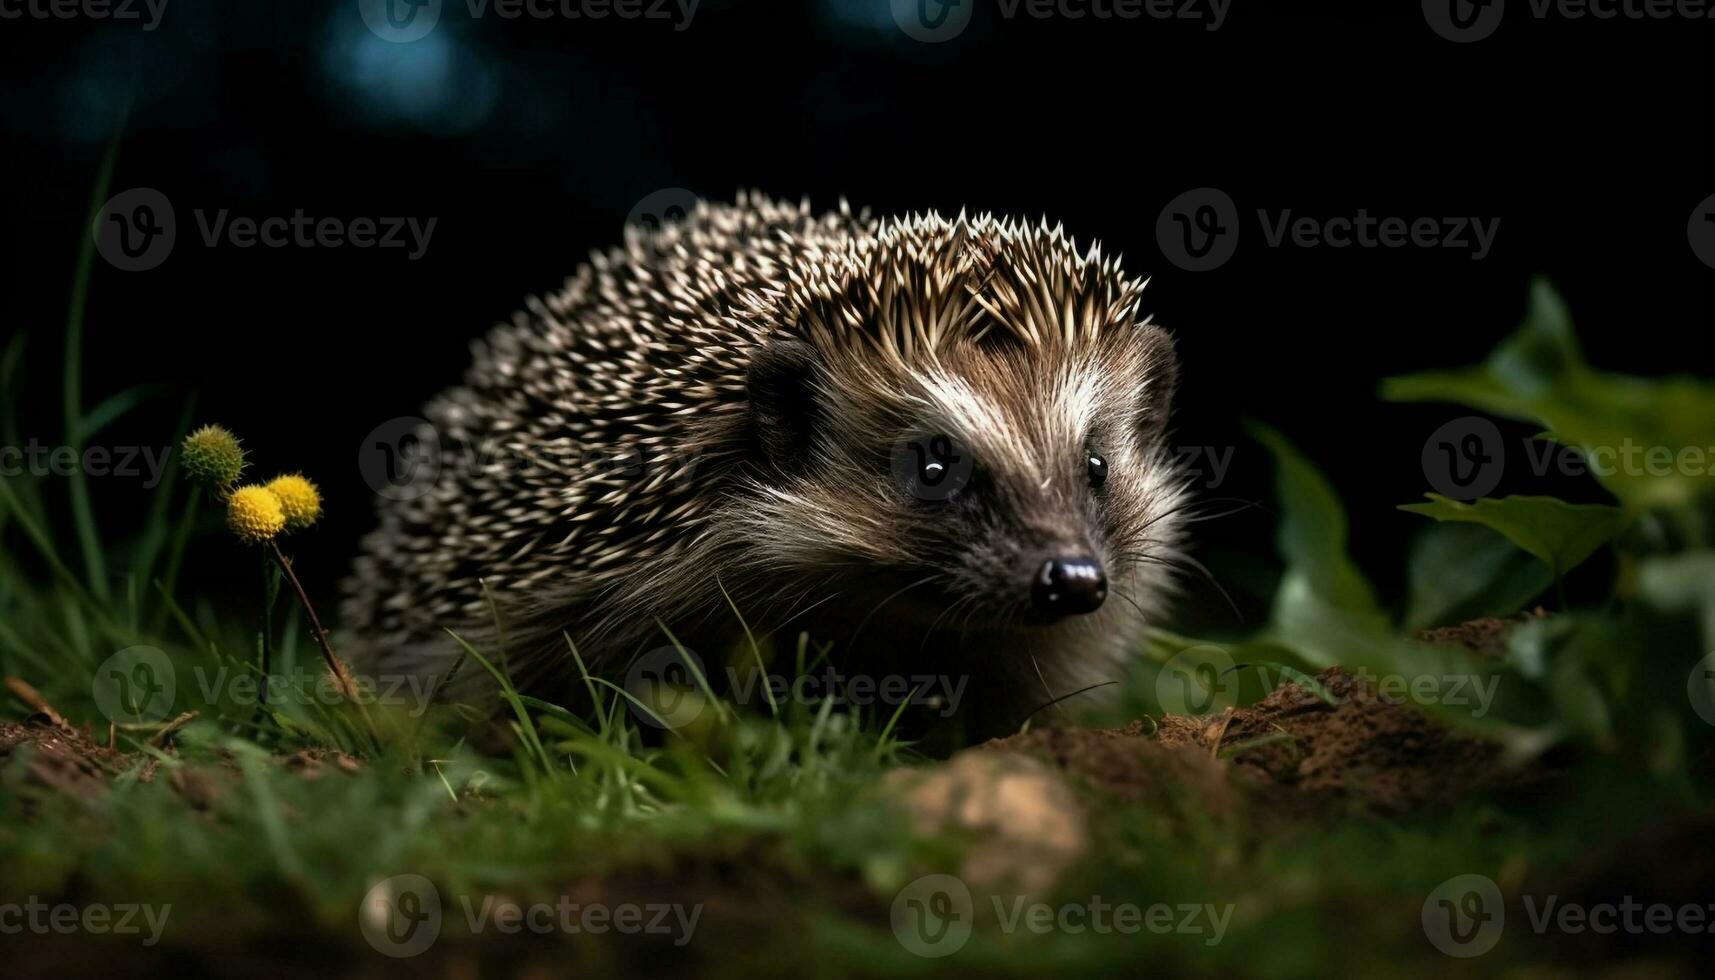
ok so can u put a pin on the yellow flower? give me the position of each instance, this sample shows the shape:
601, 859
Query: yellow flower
299, 498
254, 513
211, 455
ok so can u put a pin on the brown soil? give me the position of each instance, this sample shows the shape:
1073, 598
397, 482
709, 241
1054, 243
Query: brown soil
1487, 636
62, 759
1130, 765
1387, 755
1292, 749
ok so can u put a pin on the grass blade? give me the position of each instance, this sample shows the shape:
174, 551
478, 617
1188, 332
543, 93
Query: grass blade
83, 515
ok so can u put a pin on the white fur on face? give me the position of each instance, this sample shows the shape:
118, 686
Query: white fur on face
983, 424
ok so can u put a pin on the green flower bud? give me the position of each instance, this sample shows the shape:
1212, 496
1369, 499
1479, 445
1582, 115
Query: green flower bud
211, 455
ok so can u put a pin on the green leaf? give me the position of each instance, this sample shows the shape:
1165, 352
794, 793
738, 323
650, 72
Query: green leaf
1683, 582
1460, 572
1323, 634
1648, 441
1579, 701
1312, 535
1581, 661
1559, 533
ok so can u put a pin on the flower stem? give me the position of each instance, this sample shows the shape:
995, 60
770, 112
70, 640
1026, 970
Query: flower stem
336, 667
265, 642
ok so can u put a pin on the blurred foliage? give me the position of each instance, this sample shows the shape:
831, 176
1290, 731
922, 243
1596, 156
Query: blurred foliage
1538, 375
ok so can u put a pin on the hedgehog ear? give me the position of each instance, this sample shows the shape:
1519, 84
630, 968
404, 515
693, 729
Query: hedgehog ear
781, 384
1157, 367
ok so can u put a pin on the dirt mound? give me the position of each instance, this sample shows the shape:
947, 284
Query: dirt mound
1295, 750
1364, 748
1129, 765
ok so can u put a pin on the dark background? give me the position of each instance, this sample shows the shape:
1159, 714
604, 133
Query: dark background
530, 142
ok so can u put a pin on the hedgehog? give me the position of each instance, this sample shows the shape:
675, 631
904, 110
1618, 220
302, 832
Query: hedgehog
935, 446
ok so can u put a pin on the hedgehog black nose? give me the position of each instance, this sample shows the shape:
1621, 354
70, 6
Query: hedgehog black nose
1068, 586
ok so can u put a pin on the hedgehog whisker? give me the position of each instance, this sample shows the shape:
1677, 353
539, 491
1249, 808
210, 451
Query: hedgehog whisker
1202, 502
1039, 676
1244, 505
1067, 697
865, 621
806, 610
965, 625
1134, 603
930, 632
790, 612
1185, 563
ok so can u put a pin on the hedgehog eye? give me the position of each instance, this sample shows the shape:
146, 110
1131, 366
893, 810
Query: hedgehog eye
1098, 470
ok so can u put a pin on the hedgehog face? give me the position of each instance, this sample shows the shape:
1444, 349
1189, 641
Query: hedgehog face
999, 483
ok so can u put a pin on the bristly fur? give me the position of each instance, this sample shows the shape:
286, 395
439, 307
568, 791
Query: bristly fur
711, 408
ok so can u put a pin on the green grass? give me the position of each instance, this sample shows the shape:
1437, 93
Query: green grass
776, 816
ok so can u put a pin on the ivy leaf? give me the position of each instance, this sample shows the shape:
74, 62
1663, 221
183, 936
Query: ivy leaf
1559, 533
